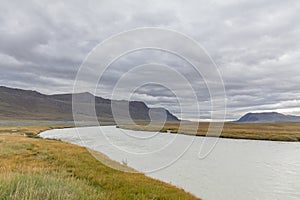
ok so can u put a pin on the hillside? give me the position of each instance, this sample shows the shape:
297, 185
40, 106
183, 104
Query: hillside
268, 117
17, 104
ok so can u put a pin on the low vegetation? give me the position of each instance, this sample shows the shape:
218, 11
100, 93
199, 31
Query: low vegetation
255, 131
36, 168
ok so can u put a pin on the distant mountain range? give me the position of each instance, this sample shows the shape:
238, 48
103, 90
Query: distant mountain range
268, 117
17, 104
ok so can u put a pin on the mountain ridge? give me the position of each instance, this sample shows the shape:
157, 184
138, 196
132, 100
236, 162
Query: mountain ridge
268, 117
19, 104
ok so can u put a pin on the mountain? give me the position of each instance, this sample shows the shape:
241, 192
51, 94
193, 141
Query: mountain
268, 117
17, 104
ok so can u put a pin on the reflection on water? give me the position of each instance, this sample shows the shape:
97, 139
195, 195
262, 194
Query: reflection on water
235, 169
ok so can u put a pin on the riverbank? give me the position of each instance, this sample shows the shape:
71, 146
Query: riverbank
289, 132
36, 168
233, 169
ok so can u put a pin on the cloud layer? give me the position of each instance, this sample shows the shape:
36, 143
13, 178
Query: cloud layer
255, 45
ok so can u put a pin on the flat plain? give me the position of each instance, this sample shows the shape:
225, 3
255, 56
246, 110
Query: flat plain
287, 131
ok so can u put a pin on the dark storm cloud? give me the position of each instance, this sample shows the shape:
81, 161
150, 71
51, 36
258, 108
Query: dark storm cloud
255, 45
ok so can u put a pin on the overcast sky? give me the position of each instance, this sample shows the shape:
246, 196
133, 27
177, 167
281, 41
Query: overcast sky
255, 45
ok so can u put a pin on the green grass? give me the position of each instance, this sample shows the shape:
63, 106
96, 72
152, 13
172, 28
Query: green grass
17, 186
36, 168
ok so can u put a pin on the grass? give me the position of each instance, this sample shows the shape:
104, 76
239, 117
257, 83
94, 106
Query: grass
36, 186
36, 168
255, 131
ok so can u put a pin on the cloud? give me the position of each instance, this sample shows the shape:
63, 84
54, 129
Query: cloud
253, 43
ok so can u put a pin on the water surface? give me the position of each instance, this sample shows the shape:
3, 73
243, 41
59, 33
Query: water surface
235, 169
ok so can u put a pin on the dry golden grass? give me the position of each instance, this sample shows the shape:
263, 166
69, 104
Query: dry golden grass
254, 131
30, 129
35, 168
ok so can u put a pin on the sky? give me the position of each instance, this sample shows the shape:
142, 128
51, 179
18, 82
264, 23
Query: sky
254, 44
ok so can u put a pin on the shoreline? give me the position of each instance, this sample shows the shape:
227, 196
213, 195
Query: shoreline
105, 159
280, 132
64, 157
200, 172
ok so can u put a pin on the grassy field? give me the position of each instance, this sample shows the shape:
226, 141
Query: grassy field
254, 131
34, 168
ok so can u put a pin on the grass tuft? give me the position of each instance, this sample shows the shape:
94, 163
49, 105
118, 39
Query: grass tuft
16, 186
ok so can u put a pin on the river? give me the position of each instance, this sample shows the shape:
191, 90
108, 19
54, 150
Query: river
234, 169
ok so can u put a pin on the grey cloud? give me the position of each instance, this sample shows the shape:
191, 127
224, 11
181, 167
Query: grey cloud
254, 44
